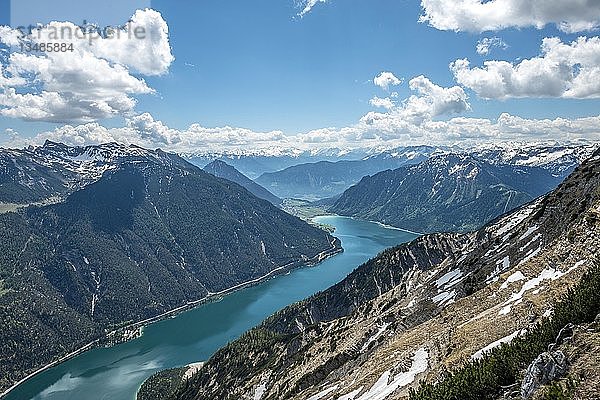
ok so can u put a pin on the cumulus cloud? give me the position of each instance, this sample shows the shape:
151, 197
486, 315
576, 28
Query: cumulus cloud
405, 121
383, 103
150, 55
433, 100
388, 130
386, 79
382, 130
144, 130
480, 15
94, 81
485, 45
562, 70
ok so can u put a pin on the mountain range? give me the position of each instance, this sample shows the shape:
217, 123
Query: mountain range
223, 170
129, 234
493, 306
311, 175
447, 192
322, 179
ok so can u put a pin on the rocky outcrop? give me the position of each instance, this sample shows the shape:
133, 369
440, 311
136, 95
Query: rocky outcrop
548, 367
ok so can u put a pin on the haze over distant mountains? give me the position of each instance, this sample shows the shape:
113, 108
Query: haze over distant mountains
326, 178
329, 172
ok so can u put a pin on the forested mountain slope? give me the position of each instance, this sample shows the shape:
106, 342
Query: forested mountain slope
419, 310
449, 192
151, 234
223, 170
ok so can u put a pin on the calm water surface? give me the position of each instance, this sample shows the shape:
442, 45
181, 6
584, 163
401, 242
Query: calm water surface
116, 373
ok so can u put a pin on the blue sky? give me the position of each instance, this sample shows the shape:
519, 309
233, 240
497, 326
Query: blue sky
258, 65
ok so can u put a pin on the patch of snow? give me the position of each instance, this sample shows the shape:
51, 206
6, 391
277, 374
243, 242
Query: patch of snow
260, 391
192, 369
509, 222
537, 291
505, 310
495, 275
530, 230
456, 168
474, 172
444, 298
385, 387
452, 275
548, 313
547, 274
375, 336
478, 355
529, 256
351, 395
536, 237
262, 248
324, 393
517, 276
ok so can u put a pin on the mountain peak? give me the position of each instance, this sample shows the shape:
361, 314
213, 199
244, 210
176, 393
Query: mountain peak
223, 170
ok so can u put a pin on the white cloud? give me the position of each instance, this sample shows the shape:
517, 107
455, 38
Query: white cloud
150, 55
384, 103
307, 6
94, 81
486, 44
386, 79
433, 100
562, 70
143, 130
479, 15
382, 130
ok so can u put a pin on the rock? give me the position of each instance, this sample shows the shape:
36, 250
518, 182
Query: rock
547, 367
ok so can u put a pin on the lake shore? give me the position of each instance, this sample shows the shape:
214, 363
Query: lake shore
107, 338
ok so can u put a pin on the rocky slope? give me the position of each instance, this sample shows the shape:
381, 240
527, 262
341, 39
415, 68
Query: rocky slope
449, 192
223, 170
419, 310
139, 233
54, 170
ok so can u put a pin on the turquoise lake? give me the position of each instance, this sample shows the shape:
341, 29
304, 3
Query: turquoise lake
116, 373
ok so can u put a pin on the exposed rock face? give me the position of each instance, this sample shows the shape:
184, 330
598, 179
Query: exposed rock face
454, 296
546, 368
449, 192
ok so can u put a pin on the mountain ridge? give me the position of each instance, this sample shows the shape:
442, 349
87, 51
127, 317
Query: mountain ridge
448, 192
430, 320
223, 170
152, 234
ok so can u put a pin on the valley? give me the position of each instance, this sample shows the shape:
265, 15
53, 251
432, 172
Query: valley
300, 200
422, 309
86, 239
118, 371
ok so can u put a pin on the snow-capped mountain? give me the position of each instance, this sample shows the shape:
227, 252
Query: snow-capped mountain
447, 192
423, 308
54, 170
561, 159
